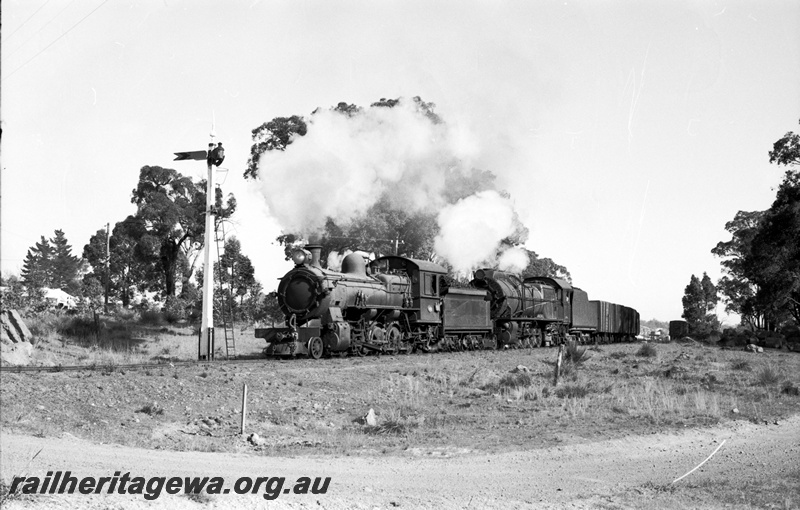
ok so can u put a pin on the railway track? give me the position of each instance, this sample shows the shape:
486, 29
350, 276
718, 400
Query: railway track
298, 361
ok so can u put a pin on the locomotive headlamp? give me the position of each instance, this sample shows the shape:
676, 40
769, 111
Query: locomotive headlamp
299, 257
479, 274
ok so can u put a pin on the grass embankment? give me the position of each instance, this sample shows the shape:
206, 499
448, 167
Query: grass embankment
485, 401
124, 338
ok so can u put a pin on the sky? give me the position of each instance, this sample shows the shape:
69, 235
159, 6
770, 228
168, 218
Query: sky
627, 133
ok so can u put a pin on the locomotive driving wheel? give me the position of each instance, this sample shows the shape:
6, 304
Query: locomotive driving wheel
315, 348
394, 339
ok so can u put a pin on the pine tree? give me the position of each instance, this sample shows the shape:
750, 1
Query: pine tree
693, 302
65, 265
699, 300
37, 268
710, 298
50, 263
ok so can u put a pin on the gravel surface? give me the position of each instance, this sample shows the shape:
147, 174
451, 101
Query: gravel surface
462, 430
597, 474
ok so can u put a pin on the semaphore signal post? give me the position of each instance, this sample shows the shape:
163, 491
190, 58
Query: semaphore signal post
213, 157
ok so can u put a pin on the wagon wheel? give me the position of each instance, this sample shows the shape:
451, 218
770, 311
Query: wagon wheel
454, 345
315, 348
393, 340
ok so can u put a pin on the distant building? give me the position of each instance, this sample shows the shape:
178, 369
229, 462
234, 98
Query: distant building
57, 298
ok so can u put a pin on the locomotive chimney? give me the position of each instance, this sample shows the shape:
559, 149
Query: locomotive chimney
316, 253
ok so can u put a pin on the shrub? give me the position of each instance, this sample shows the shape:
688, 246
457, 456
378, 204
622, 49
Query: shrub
790, 389
516, 380
80, 326
741, 364
400, 420
44, 325
175, 309
574, 354
126, 314
647, 351
573, 391
26, 301
768, 376
151, 409
152, 318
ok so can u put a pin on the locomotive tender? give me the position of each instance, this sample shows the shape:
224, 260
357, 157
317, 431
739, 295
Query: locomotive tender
397, 304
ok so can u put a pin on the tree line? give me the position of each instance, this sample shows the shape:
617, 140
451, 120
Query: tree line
153, 251
761, 261
156, 249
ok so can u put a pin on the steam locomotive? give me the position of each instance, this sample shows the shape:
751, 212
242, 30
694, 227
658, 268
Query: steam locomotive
397, 304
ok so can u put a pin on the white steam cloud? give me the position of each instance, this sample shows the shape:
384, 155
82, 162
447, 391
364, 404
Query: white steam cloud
472, 228
343, 164
513, 259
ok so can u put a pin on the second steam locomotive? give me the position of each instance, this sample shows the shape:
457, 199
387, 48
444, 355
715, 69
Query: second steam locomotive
397, 304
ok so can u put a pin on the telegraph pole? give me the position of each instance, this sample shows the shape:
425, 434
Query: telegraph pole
108, 263
213, 157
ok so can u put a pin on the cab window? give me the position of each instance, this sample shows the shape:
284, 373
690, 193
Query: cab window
430, 287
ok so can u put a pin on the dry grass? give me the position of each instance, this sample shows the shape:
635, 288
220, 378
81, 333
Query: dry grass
479, 400
67, 340
769, 376
741, 364
647, 351
574, 354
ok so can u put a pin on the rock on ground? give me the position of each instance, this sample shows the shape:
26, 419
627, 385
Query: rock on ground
15, 339
12, 328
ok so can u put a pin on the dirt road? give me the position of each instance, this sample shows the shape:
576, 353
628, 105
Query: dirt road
612, 474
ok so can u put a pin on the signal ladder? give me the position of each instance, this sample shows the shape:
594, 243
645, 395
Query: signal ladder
226, 295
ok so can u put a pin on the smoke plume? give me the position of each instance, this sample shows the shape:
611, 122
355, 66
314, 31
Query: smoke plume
513, 259
472, 229
344, 163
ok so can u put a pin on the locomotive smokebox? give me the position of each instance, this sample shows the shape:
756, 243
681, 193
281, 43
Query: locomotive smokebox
316, 253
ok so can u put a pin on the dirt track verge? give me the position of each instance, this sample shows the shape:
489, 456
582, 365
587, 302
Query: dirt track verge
492, 419
632, 472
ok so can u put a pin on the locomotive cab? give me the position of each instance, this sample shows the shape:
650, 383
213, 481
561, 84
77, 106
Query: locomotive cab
426, 281
555, 301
